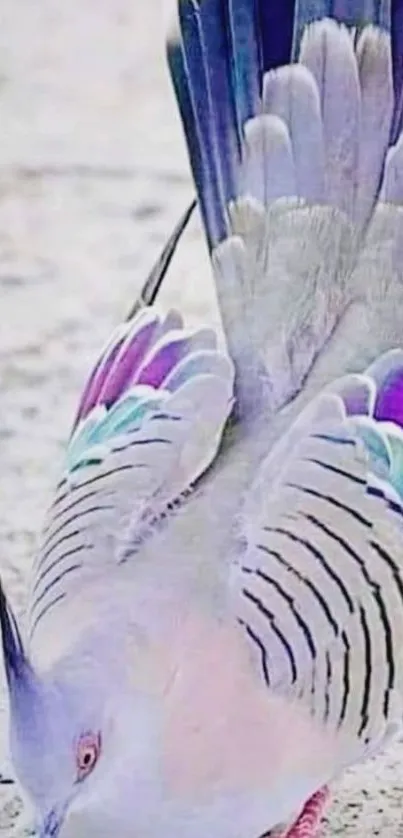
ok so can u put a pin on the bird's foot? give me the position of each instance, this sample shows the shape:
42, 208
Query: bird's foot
308, 822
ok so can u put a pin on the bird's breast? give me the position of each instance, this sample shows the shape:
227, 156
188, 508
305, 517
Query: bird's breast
226, 738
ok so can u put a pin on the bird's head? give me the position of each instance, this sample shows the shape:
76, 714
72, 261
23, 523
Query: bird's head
83, 739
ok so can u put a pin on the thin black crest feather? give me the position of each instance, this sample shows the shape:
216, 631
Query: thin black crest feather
157, 274
13, 649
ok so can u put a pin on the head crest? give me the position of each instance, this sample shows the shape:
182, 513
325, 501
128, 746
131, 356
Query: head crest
15, 661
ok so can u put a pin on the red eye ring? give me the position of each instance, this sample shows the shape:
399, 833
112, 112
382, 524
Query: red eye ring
88, 750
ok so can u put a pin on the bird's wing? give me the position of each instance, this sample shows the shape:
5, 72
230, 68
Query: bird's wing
149, 423
299, 176
317, 582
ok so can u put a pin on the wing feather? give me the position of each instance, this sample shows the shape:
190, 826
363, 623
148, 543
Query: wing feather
149, 424
318, 579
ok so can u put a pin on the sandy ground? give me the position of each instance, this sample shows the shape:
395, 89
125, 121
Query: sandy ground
93, 174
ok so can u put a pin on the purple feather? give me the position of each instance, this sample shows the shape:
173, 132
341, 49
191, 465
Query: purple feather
356, 397
163, 361
96, 380
144, 352
105, 368
134, 352
389, 402
170, 351
126, 364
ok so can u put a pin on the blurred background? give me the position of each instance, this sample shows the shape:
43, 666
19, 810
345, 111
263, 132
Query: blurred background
93, 176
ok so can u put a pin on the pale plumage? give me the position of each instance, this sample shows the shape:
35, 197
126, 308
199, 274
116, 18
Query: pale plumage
215, 617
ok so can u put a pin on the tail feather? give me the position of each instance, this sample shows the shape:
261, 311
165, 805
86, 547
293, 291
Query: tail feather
217, 62
374, 62
328, 54
292, 95
268, 169
245, 59
355, 13
203, 177
392, 184
306, 257
276, 25
396, 25
191, 58
207, 49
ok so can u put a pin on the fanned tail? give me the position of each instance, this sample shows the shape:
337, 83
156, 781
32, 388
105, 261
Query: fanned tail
294, 161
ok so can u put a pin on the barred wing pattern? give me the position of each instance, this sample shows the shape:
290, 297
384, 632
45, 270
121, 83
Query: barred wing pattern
149, 423
319, 582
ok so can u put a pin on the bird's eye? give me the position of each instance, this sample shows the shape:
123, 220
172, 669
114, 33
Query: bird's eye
87, 753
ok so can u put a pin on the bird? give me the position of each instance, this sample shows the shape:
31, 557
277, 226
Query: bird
214, 621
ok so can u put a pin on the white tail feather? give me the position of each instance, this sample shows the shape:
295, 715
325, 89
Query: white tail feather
268, 170
375, 73
327, 50
291, 94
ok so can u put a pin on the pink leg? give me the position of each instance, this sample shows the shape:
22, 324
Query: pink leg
308, 822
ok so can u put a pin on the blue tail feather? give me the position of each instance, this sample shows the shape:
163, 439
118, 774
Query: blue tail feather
217, 43
217, 71
246, 59
276, 23
207, 56
397, 53
350, 12
190, 74
202, 175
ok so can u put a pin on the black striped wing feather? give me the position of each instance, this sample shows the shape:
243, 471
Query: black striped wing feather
104, 509
92, 511
319, 586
